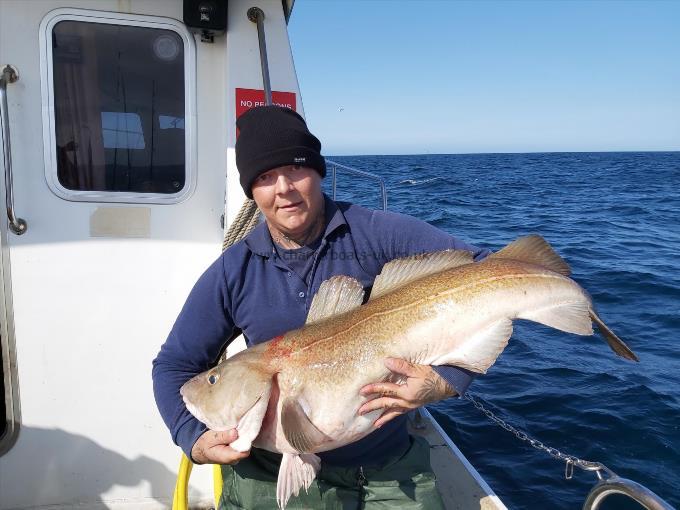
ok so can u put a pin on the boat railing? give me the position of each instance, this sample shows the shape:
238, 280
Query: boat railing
608, 482
355, 171
618, 485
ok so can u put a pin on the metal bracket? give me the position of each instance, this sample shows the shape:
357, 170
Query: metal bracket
256, 15
12, 75
9, 74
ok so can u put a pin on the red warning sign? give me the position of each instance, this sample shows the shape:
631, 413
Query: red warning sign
250, 98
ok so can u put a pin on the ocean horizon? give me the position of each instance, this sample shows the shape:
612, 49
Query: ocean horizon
642, 151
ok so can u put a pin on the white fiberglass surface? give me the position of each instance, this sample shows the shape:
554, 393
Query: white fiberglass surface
92, 304
85, 374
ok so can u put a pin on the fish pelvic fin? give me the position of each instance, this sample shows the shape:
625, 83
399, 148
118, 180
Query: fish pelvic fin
534, 250
400, 272
615, 343
299, 430
336, 295
296, 471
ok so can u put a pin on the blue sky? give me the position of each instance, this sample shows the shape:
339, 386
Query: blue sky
414, 77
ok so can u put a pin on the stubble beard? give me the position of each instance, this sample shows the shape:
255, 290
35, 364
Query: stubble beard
293, 241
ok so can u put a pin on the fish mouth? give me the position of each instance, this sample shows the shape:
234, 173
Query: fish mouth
193, 408
185, 390
203, 418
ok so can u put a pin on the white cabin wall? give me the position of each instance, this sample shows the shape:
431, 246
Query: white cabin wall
243, 53
91, 313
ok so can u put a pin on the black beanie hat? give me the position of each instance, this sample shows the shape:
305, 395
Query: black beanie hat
273, 136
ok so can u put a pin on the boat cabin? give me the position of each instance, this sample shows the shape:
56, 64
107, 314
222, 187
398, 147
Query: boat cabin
119, 182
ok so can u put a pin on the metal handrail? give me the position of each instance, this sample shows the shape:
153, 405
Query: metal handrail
16, 225
256, 15
617, 485
356, 171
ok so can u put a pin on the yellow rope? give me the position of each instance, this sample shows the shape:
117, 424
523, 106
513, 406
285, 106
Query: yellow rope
218, 482
180, 500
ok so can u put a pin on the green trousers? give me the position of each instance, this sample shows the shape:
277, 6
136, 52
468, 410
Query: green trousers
404, 482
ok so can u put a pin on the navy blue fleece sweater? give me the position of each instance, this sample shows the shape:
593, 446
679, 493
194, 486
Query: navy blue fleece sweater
250, 287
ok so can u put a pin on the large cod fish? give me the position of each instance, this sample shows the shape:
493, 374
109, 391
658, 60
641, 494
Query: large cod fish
298, 394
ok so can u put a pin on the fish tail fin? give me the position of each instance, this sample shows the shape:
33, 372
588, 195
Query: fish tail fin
296, 471
615, 343
577, 317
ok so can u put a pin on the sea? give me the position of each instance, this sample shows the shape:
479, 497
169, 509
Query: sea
615, 218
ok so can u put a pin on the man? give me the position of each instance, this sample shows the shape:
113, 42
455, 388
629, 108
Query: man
264, 285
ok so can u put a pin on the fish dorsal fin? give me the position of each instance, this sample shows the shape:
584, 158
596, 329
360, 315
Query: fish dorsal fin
336, 295
400, 272
534, 250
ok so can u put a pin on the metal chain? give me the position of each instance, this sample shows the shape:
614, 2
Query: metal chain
570, 460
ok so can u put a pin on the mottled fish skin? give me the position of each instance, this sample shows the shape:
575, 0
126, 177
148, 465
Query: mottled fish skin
328, 362
309, 379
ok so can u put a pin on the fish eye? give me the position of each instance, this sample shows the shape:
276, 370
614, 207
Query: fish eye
212, 378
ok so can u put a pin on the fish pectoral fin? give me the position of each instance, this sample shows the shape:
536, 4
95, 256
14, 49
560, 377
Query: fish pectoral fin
400, 272
534, 250
336, 295
572, 317
299, 430
296, 471
479, 351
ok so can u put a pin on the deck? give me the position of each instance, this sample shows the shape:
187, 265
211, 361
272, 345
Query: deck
461, 486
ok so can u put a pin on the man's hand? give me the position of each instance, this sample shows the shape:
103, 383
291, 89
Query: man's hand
213, 448
423, 385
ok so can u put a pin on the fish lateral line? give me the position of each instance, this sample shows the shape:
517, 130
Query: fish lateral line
416, 302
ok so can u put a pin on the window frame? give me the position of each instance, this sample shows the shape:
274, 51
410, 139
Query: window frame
47, 88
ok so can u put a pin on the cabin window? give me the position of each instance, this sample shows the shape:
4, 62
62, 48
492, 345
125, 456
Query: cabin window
122, 103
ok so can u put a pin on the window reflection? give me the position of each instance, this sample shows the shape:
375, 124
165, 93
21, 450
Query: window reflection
122, 131
119, 107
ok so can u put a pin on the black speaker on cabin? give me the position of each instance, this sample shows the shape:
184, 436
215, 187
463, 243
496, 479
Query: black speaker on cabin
206, 17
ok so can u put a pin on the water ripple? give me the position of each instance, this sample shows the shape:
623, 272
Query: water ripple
614, 217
